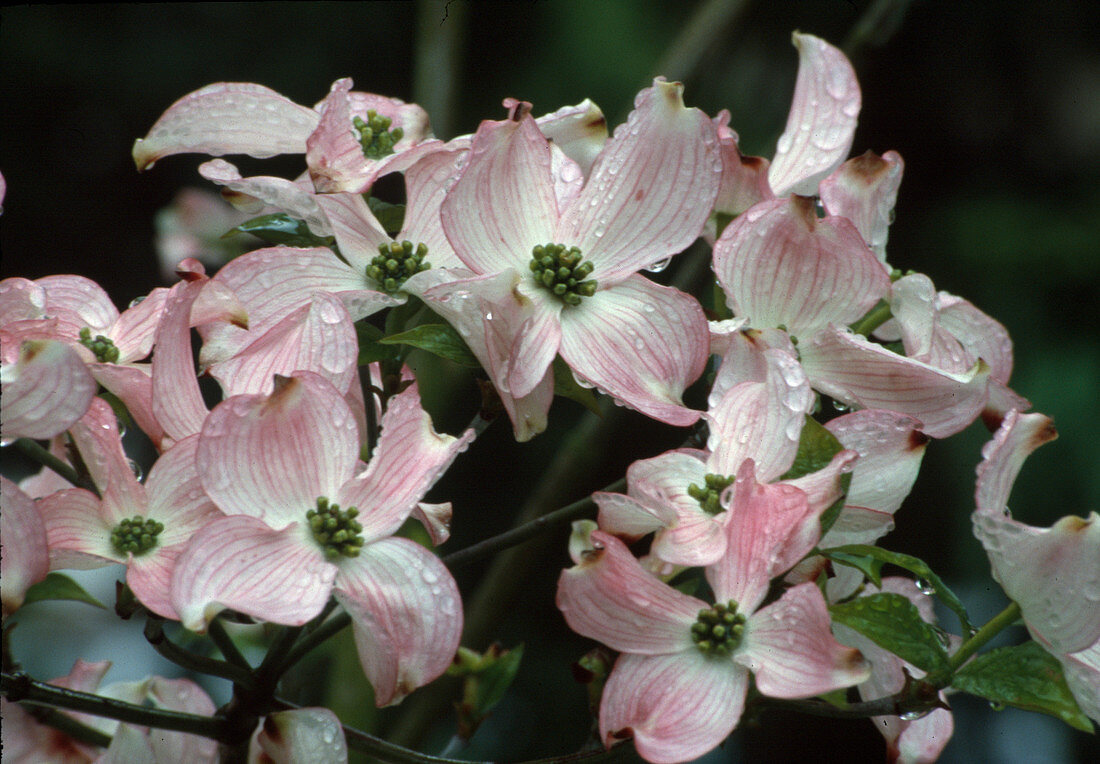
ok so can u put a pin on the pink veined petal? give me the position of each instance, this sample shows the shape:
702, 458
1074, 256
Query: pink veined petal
358, 232
624, 516
44, 392
77, 535
864, 189
891, 447
641, 343
579, 131
781, 265
272, 456
180, 695
304, 734
21, 300
980, 334
1004, 456
761, 420
859, 372
823, 487
407, 614
425, 189
318, 336
81, 297
822, 120
133, 385
744, 178
535, 345
676, 707
24, 556
768, 528
742, 352
789, 648
176, 497
920, 741
228, 118
99, 441
409, 458
436, 519
149, 576
503, 204
1052, 573
913, 304
650, 190
242, 564
609, 597
1082, 671
176, 401
134, 331
281, 193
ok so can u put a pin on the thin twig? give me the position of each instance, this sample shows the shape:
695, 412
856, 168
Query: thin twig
154, 634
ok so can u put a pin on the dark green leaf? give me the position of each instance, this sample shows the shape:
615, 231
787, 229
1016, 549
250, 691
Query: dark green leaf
914, 565
495, 680
439, 339
565, 385
816, 448
280, 228
56, 586
865, 564
370, 347
1025, 676
893, 622
391, 216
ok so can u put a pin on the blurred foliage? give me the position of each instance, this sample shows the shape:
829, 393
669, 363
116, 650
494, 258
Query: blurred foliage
995, 108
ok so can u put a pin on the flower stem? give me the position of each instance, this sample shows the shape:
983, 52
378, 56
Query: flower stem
875, 318
33, 451
991, 629
154, 633
220, 637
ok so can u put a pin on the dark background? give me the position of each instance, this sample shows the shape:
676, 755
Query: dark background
995, 108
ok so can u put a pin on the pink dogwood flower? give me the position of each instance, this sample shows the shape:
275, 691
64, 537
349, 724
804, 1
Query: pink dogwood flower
679, 686
556, 260
24, 556
307, 520
1053, 574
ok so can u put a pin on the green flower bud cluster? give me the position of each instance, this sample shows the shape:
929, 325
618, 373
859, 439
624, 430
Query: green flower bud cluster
136, 534
396, 262
563, 272
104, 349
375, 135
335, 529
718, 629
710, 495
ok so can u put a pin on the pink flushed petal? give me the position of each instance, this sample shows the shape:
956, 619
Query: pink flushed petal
651, 189
890, 447
623, 516
318, 336
134, 331
579, 131
99, 441
409, 458
861, 373
981, 335
425, 189
81, 297
789, 648
568, 177
744, 178
283, 194
436, 519
24, 556
178, 695
864, 189
176, 401
21, 300
503, 204
696, 540
822, 120
742, 353
407, 614
536, 344
44, 392
676, 707
228, 118
1052, 573
1082, 671
275, 281
781, 265
272, 456
150, 578
761, 420
768, 528
304, 734
357, 231
241, 564
913, 304
1004, 456
133, 385
609, 597
176, 497
641, 343
823, 487
77, 535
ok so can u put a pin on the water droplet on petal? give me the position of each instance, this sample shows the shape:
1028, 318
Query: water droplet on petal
658, 266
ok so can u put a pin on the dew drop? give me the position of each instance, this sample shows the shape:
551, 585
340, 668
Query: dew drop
997, 706
649, 307
925, 587
912, 716
136, 469
639, 344
658, 266
137, 301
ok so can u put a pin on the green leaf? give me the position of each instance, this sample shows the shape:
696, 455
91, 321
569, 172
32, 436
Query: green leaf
391, 216
439, 339
1025, 676
914, 565
370, 347
816, 448
893, 622
280, 228
495, 680
565, 385
56, 586
868, 566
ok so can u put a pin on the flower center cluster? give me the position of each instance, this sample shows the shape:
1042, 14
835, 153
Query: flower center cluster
136, 534
375, 135
718, 629
562, 272
396, 262
709, 495
335, 529
104, 349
